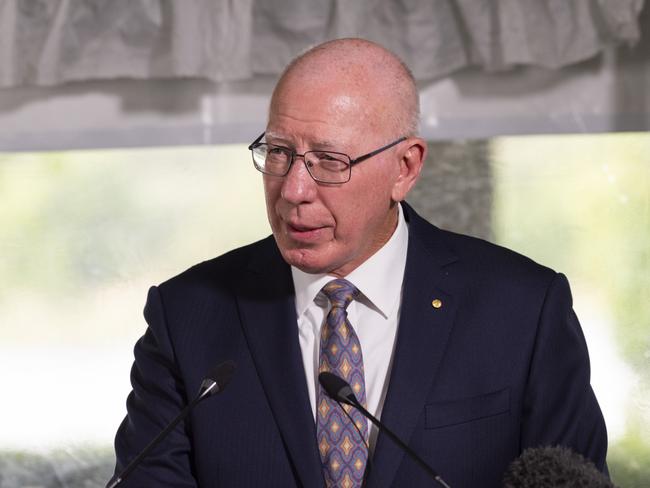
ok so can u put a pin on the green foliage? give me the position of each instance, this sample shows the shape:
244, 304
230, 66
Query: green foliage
83, 219
581, 204
629, 459
90, 467
79, 228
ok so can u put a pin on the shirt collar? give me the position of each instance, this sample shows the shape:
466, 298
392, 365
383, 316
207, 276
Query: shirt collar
379, 278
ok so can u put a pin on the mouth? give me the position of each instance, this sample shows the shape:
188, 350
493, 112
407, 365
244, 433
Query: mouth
304, 233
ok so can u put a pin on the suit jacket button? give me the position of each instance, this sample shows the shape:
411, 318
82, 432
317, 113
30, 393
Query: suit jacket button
436, 303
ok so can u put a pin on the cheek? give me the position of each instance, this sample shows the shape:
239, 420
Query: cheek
357, 212
271, 196
373, 194
369, 203
269, 187
272, 188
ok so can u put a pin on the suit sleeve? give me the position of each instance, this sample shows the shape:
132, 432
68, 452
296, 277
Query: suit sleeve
560, 406
158, 396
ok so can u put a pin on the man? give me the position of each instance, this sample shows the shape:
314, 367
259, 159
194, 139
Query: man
469, 352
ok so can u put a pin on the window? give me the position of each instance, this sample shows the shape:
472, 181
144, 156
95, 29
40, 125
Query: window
85, 233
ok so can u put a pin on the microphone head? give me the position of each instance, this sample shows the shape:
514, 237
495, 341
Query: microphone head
337, 388
218, 377
553, 467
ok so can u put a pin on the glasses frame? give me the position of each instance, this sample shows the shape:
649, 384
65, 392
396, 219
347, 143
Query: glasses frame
256, 143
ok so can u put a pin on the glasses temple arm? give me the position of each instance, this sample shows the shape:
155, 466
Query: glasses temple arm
256, 141
376, 151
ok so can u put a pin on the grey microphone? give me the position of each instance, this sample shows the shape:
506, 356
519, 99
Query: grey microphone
554, 467
214, 383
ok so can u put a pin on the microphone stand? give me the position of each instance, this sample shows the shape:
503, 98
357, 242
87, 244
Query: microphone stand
338, 389
401, 444
132, 465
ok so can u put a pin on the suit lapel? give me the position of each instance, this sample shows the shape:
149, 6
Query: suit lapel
266, 304
424, 329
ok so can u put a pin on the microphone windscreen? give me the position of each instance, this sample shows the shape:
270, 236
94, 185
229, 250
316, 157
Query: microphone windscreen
336, 387
221, 374
553, 467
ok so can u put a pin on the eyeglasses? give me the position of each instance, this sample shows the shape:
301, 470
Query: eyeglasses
323, 166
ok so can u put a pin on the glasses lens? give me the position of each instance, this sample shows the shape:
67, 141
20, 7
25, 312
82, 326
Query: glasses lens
272, 160
328, 167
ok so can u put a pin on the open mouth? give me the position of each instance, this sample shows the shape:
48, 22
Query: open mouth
304, 233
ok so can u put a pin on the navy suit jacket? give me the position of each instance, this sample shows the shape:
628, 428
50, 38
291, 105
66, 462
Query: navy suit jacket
502, 365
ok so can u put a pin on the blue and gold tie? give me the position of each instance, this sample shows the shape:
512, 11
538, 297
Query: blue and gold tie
343, 450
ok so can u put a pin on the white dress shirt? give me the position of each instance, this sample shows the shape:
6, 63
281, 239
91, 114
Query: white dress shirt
374, 317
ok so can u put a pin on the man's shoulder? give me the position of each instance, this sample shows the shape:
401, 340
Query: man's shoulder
228, 267
476, 256
475, 250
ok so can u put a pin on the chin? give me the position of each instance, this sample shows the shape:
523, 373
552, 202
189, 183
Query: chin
301, 260
309, 261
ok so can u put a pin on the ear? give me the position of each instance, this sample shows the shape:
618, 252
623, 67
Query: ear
410, 164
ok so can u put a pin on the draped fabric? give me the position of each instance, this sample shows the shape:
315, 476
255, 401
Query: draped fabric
48, 42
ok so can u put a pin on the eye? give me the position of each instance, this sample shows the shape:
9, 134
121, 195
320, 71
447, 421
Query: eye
276, 159
277, 153
328, 157
331, 161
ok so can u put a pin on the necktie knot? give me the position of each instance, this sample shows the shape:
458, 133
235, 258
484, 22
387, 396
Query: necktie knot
340, 293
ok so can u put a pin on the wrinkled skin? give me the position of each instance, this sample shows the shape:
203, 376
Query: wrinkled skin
332, 229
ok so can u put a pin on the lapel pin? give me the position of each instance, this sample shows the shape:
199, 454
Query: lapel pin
436, 303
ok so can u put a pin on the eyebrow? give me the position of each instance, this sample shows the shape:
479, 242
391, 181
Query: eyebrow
328, 144
317, 144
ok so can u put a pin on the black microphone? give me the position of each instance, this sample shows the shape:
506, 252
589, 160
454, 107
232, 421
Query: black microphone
214, 383
338, 389
553, 467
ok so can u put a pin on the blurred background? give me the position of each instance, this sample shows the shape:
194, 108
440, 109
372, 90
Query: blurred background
123, 161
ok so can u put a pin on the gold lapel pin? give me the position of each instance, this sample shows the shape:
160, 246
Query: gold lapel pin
436, 303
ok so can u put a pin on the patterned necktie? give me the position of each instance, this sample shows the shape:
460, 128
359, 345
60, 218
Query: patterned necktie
343, 452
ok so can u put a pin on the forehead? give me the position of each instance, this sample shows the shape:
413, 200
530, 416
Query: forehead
325, 111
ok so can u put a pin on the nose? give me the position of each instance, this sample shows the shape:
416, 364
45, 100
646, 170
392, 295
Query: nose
298, 185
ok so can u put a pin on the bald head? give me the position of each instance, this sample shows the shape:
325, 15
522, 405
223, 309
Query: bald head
366, 70
344, 100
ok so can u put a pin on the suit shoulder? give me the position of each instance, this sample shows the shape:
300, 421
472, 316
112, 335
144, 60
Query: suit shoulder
482, 264
474, 249
472, 253
488, 266
224, 268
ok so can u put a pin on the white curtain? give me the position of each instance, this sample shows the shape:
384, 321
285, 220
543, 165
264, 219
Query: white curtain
49, 42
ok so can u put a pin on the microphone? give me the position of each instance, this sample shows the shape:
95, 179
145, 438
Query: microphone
214, 383
339, 390
553, 467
